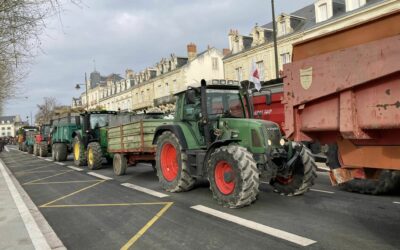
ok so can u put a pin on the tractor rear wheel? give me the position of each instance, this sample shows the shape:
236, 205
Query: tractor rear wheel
43, 149
388, 181
54, 151
62, 152
94, 156
233, 176
119, 164
302, 177
79, 152
171, 164
36, 149
30, 149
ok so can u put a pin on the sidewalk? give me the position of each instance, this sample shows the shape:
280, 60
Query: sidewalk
22, 226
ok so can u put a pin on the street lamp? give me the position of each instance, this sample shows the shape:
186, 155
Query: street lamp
78, 87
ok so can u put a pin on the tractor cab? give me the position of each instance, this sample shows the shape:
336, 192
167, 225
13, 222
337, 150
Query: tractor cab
95, 123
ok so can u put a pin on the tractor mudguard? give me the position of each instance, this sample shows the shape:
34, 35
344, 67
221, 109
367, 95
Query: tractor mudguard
174, 129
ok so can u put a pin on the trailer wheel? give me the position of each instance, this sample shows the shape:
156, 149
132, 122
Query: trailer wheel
302, 178
43, 149
79, 152
171, 164
389, 180
30, 149
94, 156
54, 151
119, 164
62, 152
233, 176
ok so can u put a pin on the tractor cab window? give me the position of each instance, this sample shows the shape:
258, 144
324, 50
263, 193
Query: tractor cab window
98, 121
192, 109
227, 103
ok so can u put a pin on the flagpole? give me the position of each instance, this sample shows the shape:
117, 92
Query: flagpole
275, 43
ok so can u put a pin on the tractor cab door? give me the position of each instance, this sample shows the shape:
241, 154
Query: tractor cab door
192, 114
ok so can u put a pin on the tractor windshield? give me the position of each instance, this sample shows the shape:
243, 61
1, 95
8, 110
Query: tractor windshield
225, 102
98, 120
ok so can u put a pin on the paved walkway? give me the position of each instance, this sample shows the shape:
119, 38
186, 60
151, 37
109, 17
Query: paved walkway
14, 234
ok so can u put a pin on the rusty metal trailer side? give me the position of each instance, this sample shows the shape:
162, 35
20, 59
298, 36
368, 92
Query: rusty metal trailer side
345, 89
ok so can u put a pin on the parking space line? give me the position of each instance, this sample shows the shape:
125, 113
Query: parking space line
75, 168
73, 193
36, 235
146, 227
59, 182
60, 163
321, 191
108, 204
299, 240
63, 172
396, 202
48, 159
144, 190
99, 176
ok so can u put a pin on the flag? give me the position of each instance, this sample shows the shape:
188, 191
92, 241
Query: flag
255, 76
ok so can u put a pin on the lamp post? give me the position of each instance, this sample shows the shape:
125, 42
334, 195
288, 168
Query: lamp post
275, 43
78, 86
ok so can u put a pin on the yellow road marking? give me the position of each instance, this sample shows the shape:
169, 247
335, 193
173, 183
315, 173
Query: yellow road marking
147, 226
108, 204
73, 193
64, 172
60, 182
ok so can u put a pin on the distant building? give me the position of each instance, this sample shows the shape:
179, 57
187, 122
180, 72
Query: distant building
9, 125
322, 17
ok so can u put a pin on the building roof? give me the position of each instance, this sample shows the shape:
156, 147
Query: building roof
7, 118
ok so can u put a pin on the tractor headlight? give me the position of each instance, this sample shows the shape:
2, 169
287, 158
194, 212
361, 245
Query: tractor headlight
235, 134
282, 141
269, 142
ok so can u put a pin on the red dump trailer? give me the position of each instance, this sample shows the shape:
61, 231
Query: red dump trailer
343, 89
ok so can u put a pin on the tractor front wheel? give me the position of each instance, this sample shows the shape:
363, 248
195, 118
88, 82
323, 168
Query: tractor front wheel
43, 149
302, 177
79, 152
171, 164
94, 156
36, 149
119, 164
233, 176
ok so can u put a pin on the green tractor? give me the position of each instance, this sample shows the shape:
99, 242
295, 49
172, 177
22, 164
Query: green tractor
214, 136
61, 133
90, 142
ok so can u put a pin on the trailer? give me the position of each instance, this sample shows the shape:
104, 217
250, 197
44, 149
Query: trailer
132, 141
343, 89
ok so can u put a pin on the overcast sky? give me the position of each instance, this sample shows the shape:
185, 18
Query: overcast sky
121, 34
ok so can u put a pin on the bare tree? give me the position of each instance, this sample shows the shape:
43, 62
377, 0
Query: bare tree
46, 110
21, 24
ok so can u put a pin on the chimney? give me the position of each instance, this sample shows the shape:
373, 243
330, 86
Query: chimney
226, 52
192, 51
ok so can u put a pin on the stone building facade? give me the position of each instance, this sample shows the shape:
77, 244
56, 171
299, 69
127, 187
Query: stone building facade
9, 125
322, 17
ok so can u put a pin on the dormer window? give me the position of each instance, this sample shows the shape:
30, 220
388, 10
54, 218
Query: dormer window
354, 4
323, 12
282, 27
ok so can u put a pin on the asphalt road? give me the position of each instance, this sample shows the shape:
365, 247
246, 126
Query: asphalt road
96, 212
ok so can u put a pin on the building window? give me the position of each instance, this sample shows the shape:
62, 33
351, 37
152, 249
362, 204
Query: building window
3, 133
354, 4
239, 74
215, 63
9, 133
282, 25
285, 58
3, 128
8, 128
323, 12
8, 121
261, 71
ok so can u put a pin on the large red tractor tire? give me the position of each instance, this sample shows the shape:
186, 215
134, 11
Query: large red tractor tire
94, 156
171, 164
233, 176
302, 177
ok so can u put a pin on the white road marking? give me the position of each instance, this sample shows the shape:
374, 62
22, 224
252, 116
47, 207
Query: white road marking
396, 202
99, 176
321, 191
6, 148
144, 190
75, 168
48, 159
14, 149
60, 163
299, 240
37, 237
40, 157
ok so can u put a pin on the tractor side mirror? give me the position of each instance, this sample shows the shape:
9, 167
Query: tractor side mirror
268, 97
191, 96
